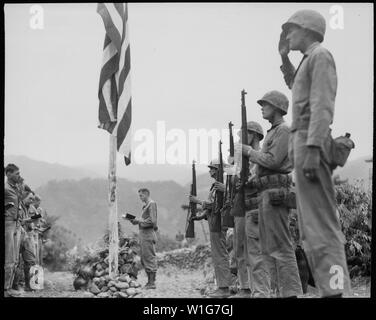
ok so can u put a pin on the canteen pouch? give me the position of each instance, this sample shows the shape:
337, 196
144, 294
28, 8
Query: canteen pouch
340, 149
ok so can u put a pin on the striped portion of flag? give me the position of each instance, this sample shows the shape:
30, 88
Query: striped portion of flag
115, 100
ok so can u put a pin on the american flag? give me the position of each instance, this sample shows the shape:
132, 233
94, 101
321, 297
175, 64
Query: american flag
115, 100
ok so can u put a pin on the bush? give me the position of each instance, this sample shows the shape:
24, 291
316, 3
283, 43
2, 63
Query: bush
59, 241
355, 208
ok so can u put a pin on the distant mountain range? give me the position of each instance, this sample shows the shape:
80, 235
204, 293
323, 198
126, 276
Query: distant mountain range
82, 205
37, 173
79, 196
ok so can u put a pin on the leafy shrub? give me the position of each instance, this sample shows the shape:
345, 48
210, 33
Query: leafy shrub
355, 208
59, 241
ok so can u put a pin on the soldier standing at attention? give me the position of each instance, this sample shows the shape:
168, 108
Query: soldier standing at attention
314, 86
147, 236
11, 202
220, 256
253, 274
272, 178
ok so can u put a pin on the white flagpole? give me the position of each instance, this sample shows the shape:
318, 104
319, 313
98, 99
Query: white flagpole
113, 217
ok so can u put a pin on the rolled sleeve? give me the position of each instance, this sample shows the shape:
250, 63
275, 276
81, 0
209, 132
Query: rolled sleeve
322, 97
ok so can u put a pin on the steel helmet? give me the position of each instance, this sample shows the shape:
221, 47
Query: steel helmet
214, 164
255, 127
308, 19
276, 99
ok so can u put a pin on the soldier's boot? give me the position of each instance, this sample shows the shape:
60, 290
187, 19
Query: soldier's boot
242, 293
149, 276
151, 284
220, 293
27, 279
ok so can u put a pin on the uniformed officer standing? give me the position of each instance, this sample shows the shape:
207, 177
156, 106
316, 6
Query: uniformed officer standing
314, 86
11, 202
220, 256
147, 236
272, 179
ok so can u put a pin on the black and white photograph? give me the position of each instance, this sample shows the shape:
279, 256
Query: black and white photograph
188, 150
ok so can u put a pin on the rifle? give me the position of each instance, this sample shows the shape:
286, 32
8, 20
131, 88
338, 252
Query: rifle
227, 218
192, 210
238, 208
245, 164
218, 198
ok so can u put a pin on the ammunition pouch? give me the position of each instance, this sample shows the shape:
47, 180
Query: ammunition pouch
272, 181
282, 197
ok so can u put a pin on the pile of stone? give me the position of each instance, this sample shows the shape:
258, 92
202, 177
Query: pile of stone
92, 272
186, 258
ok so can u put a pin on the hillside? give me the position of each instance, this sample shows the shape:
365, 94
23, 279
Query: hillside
82, 205
37, 173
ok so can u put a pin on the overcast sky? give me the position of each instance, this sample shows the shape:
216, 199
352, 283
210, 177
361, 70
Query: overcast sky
189, 63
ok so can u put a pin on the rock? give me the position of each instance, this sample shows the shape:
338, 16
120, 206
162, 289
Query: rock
138, 290
103, 295
111, 283
94, 289
107, 277
113, 289
132, 284
96, 280
98, 274
123, 294
99, 267
87, 294
116, 295
104, 289
122, 285
131, 292
124, 278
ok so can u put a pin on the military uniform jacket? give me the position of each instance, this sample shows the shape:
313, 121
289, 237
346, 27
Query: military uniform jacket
11, 196
314, 87
273, 157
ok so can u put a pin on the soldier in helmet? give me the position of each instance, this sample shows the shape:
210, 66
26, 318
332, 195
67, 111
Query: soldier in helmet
220, 256
253, 273
272, 178
314, 86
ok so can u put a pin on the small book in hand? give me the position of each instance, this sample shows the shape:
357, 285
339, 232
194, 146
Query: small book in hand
36, 216
130, 216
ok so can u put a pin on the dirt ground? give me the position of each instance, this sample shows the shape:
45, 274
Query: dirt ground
171, 283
